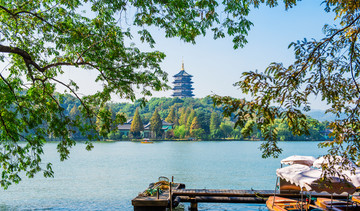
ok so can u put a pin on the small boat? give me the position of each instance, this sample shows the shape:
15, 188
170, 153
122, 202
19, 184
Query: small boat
146, 141
276, 203
356, 199
336, 205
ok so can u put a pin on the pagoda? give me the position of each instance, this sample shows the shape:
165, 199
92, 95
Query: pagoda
182, 84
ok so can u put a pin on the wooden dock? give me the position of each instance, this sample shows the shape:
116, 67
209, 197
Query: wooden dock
158, 202
178, 193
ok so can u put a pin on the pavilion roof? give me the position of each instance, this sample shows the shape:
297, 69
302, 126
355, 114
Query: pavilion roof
125, 126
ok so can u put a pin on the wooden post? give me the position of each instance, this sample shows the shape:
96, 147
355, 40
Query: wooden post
276, 183
193, 206
302, 204
170, 196
172, 178
158, 194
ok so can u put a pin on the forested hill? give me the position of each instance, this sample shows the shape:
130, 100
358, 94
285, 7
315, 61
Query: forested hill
202, 106
205, 104
197, 118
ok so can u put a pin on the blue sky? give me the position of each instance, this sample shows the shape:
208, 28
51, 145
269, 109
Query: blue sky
216, 66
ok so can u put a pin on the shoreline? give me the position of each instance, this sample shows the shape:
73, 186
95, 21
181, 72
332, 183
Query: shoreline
210, 140
187, 140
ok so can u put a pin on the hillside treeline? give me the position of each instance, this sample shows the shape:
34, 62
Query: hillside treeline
195, 118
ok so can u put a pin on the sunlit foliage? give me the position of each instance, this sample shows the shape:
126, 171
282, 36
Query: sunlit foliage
328, 68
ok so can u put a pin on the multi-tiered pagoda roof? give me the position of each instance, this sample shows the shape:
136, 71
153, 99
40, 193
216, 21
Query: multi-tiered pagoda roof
182, 84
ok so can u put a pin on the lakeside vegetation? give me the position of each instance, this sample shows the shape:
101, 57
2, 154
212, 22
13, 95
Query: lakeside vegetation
193, 118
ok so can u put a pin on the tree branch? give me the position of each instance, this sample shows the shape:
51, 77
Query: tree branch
321, 43
25, 55
77, 96
30, 13
16, 98
352, 49
28, 60
6, 128
68, 64
80, 56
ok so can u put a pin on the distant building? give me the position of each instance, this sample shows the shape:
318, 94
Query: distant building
125, 128
146, 133
165, 127
182, 84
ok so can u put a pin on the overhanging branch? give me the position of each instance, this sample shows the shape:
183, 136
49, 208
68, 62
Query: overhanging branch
323, 42
25, 55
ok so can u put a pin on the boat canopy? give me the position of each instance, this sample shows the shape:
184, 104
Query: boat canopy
354, 177
311, 180
298, 159
337, 160
343, 166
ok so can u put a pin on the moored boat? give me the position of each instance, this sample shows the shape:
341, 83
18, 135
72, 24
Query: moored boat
146, 141
276, 203
336, 205
356, 199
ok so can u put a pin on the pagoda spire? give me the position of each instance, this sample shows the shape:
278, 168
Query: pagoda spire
182, 65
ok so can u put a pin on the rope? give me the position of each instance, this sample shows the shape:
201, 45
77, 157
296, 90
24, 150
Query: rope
258, 195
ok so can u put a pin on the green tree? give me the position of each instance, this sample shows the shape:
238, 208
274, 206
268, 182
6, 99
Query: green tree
156, 124
226, 129
115, 135
203, 117
314, 129
328, 68
218, 133
136, 125
194, 126
75, 116
180, 131
172, 118
214, 123
250, 130
283, 131
190, 118
198, 133
39, 38
106, 121
236, 134
184, 116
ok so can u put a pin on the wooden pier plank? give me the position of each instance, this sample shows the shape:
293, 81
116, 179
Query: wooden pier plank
218, 199
244, 193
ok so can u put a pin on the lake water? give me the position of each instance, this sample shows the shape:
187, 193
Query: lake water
113, 173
